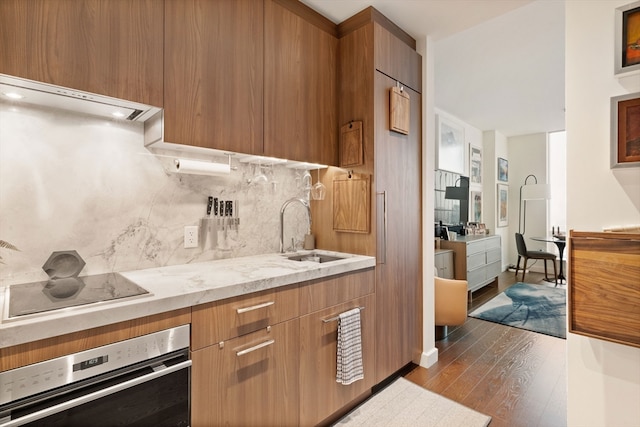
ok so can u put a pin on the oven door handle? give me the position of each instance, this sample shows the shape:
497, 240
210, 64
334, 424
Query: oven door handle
158, 372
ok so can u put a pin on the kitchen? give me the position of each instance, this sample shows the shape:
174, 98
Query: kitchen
128, 211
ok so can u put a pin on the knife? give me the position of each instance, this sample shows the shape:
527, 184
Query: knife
209, 206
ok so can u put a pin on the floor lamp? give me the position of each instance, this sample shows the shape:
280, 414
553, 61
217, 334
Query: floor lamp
528, 191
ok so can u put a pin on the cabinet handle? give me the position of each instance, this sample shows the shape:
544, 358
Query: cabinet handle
254, 348
381, 254
255, 307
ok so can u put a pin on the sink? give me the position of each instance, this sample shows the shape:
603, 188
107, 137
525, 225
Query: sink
314, 257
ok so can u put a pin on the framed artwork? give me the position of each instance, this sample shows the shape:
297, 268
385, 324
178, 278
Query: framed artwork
476, 206
503, 170
625, 131
475, 165
503, 205
627, 38
450, 155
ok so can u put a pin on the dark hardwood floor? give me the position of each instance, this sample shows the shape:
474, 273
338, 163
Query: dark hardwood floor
515, 376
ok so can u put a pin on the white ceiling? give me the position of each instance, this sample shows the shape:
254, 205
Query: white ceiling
499, 64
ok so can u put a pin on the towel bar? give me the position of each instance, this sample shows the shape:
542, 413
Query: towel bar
333, 319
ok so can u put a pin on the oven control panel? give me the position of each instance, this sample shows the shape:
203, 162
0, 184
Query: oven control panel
32, 379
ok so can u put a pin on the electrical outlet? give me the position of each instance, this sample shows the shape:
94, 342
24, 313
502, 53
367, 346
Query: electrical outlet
191, 236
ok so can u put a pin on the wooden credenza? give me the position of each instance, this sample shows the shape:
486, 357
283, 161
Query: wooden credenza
477, 259
604, 289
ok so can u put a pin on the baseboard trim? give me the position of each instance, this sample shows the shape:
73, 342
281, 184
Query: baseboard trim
428, 358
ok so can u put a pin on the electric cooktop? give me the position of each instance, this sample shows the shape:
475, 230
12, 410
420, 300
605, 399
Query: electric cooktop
53, 294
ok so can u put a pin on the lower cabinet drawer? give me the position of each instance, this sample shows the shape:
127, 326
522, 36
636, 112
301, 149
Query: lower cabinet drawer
494, 269
322, 293
476, 260
250, 381
476, 247
492, 242
320, 394
494, 255
232, 317
476, 277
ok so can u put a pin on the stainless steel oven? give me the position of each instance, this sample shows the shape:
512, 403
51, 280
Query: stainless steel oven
143, 381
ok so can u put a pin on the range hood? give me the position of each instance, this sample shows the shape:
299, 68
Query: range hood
48, 95
43, 94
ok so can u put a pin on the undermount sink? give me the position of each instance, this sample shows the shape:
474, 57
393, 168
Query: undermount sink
314, 257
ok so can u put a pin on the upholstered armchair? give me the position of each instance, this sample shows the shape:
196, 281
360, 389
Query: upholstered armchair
450, 304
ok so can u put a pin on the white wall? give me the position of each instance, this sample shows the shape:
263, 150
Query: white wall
429, 354
603, 378
495, 145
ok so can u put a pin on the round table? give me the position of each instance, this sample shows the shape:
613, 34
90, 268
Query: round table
560, 244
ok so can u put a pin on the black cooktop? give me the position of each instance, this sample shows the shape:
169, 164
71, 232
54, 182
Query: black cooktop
38, 297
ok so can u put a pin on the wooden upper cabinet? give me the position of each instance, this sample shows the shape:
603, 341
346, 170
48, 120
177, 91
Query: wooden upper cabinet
300, 92
213, 77
107, 47
388, 48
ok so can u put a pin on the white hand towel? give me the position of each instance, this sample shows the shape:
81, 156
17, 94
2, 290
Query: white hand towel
349, 357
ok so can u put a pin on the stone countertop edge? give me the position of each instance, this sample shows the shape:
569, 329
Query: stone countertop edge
180, 286
471, 238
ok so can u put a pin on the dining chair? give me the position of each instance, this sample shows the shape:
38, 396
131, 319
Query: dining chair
526, 254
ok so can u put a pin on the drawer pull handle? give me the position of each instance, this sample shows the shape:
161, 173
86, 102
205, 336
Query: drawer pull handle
255, 307
255, 347
333, 319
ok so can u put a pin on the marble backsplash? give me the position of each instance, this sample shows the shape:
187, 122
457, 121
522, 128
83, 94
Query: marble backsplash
78, 182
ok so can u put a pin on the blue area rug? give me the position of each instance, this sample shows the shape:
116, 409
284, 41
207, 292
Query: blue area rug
537, 308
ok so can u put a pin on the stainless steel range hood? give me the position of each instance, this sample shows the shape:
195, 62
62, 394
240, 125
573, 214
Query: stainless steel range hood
43, 94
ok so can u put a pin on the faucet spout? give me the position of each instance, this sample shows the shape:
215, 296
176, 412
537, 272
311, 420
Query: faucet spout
283, 208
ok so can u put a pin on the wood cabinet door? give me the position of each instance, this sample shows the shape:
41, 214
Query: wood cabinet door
300, 107
395, 58
444, 264
398, 272
251, 381
112, 48
214, 74
320, 394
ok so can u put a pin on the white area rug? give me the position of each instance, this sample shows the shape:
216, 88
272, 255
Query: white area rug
404, 403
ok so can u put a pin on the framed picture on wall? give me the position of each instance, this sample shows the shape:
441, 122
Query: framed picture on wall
627, 38
503, 205
625, 131
503, 170
476, 206
450, 155
475, 165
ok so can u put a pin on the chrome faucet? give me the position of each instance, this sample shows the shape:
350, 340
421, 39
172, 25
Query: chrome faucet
282, 209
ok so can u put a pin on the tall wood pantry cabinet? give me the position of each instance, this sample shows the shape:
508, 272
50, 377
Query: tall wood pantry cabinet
375, 56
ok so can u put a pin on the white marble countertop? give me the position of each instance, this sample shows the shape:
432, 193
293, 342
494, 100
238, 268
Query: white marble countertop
176, 287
